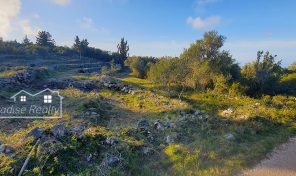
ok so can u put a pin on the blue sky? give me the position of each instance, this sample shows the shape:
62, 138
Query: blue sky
158, 27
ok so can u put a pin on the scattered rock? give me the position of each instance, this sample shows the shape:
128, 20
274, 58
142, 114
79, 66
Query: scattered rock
197, 112
116, 85
58, 131
169, 139
182, 119
143, 122
157, 125
182, 112
89, 157
256, 105
229, 136
170, 124
2, 148
112, 161
77, 130
49, 146
93, 113
227, 112
147, 151
111, 140
36, 133
8, 150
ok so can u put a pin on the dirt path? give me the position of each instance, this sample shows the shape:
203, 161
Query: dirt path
281, 163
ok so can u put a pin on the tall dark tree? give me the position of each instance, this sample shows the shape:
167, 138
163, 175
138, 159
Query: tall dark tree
263, 75
77, 45
45, 39
123, 49
26, 41
84, 46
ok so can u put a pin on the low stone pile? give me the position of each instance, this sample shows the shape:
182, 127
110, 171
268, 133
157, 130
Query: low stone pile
116, 85
25, 78
71, 83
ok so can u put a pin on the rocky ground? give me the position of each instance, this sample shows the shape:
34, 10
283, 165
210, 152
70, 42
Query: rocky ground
111, 124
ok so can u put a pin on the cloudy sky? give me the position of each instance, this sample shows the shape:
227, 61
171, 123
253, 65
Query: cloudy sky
158, 27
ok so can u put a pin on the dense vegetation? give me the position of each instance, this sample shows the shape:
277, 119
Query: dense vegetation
204, 66
45, 46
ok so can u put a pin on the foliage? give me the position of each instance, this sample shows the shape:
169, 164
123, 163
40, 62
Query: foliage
139, 65
202, 66
123, 49
45, 46
44, 39
26, 41
262, 76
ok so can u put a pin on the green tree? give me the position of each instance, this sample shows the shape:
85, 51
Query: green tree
123, 49
292, 67
26, 41
44, 39
139, 65
77, 45
206, 48
84, 46
263, 75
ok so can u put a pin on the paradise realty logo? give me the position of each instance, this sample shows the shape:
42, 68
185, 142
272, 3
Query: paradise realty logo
44, 104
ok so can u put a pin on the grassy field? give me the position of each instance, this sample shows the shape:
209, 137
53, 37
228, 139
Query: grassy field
200, 144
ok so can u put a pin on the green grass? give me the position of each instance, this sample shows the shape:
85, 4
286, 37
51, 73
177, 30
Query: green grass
140, 82
86, 77
200, 147
8, 73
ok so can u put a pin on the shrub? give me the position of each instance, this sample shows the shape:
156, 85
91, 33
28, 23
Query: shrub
236, 89
139, 65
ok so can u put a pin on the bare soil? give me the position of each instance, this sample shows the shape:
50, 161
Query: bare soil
281, 163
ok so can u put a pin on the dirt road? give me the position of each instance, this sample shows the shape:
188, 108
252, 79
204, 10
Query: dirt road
281, 163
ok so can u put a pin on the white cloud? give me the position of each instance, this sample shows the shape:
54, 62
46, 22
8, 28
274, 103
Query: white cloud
199, 23
201, 4
27, 28
9, 10
61, 2
88, 24
11, 24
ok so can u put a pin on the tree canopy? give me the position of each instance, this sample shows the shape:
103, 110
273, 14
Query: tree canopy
45, 39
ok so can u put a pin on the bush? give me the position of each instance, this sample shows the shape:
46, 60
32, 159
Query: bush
139, 65
236, 89
288, 84
263, 75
